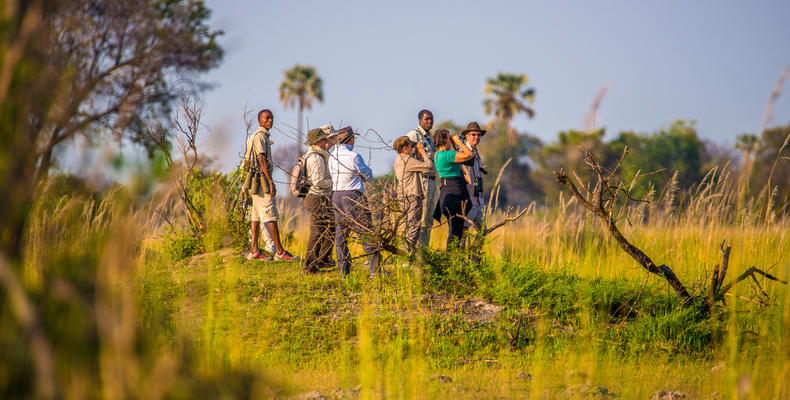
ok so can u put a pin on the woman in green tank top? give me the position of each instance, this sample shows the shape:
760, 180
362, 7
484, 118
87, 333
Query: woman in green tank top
454, 200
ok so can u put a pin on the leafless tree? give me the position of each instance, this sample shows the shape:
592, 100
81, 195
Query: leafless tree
607, 192
185, 126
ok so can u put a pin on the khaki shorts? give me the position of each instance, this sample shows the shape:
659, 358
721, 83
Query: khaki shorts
263, 208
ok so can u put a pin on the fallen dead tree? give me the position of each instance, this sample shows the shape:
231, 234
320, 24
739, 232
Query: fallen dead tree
606, 191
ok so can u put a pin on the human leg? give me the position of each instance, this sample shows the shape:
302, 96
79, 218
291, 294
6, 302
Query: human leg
267, 209
428, 205
453, 207
311, 259
254, 228
412, 209
342, 225
364, 229
268, 241
255, 225
327, 239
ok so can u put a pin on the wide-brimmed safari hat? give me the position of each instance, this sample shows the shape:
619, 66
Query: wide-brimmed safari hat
345, 133
314, 135
401, 142
329, 130
473, 127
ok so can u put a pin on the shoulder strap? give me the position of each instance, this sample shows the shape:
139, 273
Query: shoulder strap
253, 164
427, 139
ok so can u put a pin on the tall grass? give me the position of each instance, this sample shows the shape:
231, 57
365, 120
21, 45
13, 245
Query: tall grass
555, 308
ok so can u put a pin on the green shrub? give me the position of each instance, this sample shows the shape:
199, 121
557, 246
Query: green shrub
458, 273
182, 244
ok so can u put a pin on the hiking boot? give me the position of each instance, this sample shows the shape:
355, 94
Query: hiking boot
286, 256
258, 256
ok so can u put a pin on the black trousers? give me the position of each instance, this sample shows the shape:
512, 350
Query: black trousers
454, 203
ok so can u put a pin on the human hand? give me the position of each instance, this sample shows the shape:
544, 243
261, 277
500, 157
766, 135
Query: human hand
272, 189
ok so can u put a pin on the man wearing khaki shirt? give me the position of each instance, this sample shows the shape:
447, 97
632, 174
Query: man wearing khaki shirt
408, 171
473, 173
422, 134
318, 202
264, 208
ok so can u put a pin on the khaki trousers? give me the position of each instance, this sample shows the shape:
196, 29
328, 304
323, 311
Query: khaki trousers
429, 189
411, 207
322, 232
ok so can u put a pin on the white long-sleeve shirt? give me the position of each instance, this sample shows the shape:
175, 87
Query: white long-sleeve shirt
348, 168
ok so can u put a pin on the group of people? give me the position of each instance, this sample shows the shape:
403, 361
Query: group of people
336, 202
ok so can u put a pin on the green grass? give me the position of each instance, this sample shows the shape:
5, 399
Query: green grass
553, 298
391, 335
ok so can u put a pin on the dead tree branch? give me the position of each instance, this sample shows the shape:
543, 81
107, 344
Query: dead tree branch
603, 196
749, 273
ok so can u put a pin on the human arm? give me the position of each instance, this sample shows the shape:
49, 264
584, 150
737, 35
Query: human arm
362, 169
263, 163
465, 154
259, 148
423, 164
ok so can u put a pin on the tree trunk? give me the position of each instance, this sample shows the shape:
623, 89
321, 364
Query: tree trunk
44, 163
300, 135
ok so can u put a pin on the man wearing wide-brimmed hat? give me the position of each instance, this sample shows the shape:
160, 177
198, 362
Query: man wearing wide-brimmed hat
422, 134
349, 173
331, 135
473, 172
318, 254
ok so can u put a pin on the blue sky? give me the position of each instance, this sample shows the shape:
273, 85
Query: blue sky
712, 61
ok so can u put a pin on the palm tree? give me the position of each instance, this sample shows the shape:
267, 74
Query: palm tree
301, 87
507, 95
747, 143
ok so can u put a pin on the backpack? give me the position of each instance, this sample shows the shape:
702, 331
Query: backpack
300, 185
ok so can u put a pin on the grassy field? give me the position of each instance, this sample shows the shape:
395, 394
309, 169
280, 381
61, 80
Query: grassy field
554, 310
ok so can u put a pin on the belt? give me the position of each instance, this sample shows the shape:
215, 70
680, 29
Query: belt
453, 180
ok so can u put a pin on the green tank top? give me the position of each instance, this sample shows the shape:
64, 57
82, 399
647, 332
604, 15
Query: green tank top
445, 165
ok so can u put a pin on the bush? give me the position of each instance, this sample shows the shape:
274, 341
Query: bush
458, 273
182, 244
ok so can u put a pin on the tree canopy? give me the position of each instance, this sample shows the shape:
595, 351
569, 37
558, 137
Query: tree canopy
90, 69
301, 86
507, 96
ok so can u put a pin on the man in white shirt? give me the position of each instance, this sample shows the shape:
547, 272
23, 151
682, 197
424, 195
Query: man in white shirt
349, 172
422, 134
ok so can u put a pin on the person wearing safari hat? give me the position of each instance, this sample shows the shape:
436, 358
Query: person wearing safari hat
408, 170
473, 173
349, 173
422, 134
318, 254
